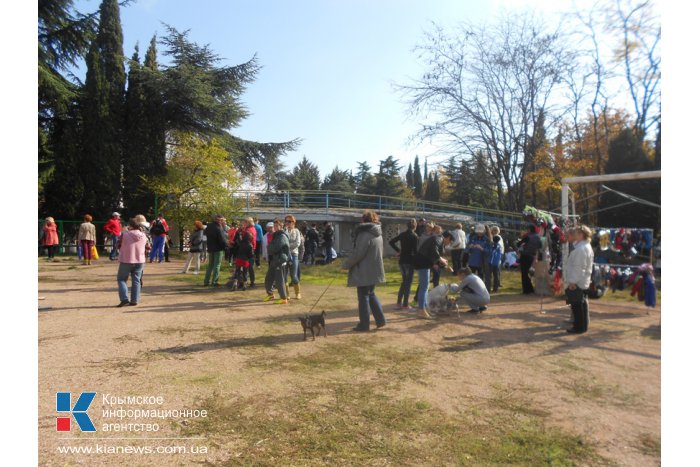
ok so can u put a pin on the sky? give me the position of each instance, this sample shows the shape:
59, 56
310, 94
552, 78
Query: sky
328, 65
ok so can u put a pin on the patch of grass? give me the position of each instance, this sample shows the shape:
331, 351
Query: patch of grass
126, 338
649, 444
362, 424
652, 332
602, 394
392, 364
510, 401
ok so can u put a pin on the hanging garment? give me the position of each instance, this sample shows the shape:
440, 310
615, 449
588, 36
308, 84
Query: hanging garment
542, 285
557, 285
649, 291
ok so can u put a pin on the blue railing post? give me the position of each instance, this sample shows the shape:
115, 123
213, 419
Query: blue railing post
247, 201
380, 204
326, 202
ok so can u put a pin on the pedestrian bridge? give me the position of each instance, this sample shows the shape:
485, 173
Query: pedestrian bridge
344, 210
336, 206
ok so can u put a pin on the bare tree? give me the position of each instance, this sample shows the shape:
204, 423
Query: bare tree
638, 28
488, 88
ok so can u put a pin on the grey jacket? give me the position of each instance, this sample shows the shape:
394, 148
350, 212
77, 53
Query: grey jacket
365, 263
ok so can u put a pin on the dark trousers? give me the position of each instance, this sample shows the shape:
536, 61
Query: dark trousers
525, 265
310, 256
258, 251
329, 253
406, 281
478, 270
457, 260
496, 277
436, 276
251, 272
367, 301
487, 276
240, 276
276, 276
578, 300
51, 250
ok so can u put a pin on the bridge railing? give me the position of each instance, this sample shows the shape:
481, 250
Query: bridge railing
325, 201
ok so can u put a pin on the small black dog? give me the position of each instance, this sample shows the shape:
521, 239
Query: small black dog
311, 322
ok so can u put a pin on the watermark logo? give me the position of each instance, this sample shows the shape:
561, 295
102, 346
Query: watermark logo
79, 411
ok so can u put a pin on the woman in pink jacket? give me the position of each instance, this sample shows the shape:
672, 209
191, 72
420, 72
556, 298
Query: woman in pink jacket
132, 257
50, 240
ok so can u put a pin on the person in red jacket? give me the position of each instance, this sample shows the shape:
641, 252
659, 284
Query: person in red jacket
249, 227
114, 228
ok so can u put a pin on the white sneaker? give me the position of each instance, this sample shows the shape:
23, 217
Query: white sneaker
195, 273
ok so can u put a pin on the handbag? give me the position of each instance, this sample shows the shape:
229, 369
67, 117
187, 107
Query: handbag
94, 252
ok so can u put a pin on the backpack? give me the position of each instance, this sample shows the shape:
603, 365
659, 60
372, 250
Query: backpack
157, 228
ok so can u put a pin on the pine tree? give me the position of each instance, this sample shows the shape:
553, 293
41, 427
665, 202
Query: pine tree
627, 154
305, 176
365, 182
64, 192
388, 180
103, 114
339, 180
409, 177
417, 179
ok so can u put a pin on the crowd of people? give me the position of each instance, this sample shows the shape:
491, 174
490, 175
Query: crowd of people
424, 249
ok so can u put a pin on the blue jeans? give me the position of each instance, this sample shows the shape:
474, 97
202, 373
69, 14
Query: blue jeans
367, 301
295, 269
158, 245
423, 280
114, 254
406, 281
125, 270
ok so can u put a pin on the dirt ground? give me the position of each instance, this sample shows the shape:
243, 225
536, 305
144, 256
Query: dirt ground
195, 346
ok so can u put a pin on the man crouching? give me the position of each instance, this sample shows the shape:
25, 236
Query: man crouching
472, 291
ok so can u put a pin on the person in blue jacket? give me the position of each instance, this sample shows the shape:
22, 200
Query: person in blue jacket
479, 250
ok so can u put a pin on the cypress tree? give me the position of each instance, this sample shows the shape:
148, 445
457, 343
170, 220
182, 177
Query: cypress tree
144, 142
103, 114
155, 112
417, 179
134, 161
409, 177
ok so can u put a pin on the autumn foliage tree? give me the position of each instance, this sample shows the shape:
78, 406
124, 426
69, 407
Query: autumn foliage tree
199, 181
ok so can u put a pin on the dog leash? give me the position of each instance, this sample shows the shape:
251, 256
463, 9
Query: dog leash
321, 296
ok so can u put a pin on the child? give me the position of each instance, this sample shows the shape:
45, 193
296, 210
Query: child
472, 291
244, 255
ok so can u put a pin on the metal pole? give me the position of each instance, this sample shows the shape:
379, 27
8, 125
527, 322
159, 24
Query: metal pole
565, 219
60, 235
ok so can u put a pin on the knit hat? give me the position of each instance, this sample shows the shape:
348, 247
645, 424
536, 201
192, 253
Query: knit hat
480, 228
116, 214
269, 225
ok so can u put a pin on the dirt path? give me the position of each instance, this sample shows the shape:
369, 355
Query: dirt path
191, 345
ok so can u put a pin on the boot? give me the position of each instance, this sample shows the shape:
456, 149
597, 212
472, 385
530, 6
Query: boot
85, 262
297, 292
286, 287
